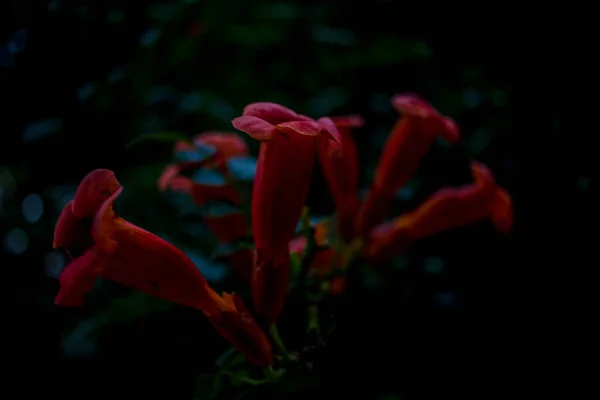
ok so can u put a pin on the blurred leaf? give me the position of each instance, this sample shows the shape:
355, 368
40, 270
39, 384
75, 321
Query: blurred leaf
478, 141
213, 272
163, 11
327, 34
182, 202
328, 100
218, 209
389, 50
279, 10
149, 37
209, 177
79, 342
242, 168
17, 41
256, 36
230, 358
168, 137
201, 152
239, 377
40, 129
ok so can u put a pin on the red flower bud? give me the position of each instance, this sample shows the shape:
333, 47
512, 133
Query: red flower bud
407, 144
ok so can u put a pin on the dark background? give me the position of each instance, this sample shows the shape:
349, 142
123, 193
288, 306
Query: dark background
81, 79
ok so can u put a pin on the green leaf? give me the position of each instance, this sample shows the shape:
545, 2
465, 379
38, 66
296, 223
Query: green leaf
167, 137
390, 50
209, 177
218, 209
242, 168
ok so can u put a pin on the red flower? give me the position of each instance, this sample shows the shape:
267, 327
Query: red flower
446, 209
209, 149
407, 144
229, 227
321, 265
102, 244
341, 174
286, 157
209, 155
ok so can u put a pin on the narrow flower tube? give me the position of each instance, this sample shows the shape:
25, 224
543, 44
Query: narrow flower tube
102, 244
444, 210
286, 157
407, 144
341, 174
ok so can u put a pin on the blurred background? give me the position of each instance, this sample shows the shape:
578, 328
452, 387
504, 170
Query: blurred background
82, 79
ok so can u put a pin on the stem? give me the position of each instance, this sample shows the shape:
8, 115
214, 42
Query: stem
272, 375
278, 342
351, 252
250, 381
313, 319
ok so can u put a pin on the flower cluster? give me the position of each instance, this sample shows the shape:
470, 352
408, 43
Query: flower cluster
101, 244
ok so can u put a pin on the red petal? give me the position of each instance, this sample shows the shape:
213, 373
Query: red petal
228, 228
103, 226
271, 112
182, 184
412, 104
72, 233
227, 144
348, 121
239, 328
182, 145
502, 211
78, 278
167, 176
308, 128
333, 136
154, 266
450, 130
92, 191
203, 194
269, 285
256, 127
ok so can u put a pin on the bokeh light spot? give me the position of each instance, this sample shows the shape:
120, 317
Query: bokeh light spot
16, 241
446, 299
433, 265
472, 97
40, 129
54, 263
32, 208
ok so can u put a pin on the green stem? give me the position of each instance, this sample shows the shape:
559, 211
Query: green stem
250, 381
272, 375
351, 252
278, 342
313, 319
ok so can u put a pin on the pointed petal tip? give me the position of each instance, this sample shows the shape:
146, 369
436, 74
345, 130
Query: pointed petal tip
413, 104
450, 131
334, 138
502, 211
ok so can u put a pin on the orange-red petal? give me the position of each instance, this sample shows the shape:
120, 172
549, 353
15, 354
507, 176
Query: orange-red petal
238, 327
